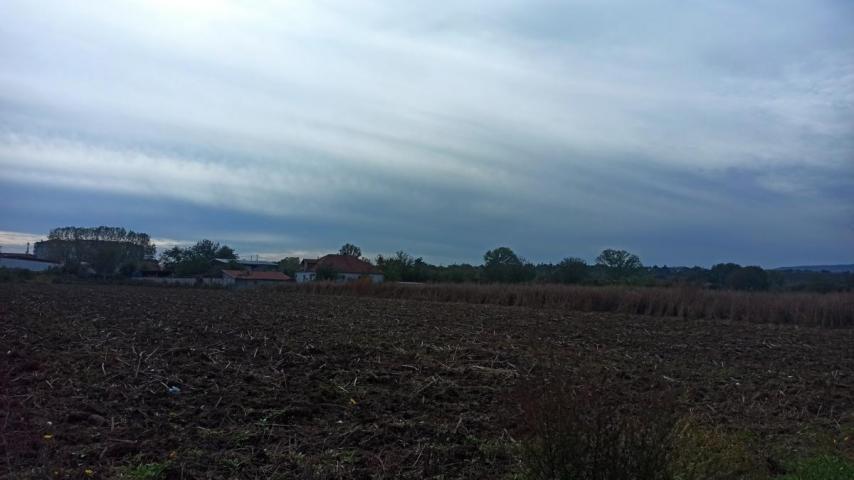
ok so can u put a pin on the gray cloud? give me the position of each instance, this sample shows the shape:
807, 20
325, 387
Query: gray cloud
560, 127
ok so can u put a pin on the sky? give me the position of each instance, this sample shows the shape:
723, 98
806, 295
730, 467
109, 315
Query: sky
689, 133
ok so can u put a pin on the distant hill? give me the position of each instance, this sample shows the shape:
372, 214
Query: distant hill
821, 268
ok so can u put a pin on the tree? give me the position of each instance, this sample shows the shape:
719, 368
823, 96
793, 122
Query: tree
289, 265
458, 273
196, 259
571, 270
226, 252
105, 248
207, 249
618, 260
192, 266
326, 273
350, 250
619, 265
503, 265
404, 267
718, 273
500, 256
748, 278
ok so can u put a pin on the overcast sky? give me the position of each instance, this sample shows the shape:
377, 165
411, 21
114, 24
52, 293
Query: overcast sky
686, 132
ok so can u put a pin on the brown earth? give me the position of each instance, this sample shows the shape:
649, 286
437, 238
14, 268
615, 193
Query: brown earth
278, 384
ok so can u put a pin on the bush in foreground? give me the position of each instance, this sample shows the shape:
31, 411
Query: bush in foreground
572, 435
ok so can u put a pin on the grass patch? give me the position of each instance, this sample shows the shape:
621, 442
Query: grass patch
709, 453
147, 471
823, 467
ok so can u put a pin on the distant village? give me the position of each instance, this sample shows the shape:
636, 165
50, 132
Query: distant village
111, 251
116, 253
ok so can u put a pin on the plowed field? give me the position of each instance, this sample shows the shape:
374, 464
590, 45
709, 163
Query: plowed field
124, 382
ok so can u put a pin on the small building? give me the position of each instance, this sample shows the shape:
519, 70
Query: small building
26, 262
344, 268
254, 265
250, 279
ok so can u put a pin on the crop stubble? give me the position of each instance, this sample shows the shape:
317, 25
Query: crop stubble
278, 383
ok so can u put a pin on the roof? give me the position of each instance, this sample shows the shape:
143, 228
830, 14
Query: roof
254, 263
309, 262
247, 275
25, 256
342, 264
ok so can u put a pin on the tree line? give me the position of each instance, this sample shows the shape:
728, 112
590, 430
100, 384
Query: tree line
102, 234
105, 249
115, 250
611, 267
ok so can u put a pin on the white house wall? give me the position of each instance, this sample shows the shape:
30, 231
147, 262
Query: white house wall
303, 277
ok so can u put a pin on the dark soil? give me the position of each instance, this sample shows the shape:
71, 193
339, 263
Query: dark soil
143, 382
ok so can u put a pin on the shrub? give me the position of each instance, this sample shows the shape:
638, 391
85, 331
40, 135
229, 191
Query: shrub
15, 275
573, 434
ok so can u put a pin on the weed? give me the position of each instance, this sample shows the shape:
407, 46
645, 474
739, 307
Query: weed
574, 435
148, 471
233, 464
707, 453
823, 467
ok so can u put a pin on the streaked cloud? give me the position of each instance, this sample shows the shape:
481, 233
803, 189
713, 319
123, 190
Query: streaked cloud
559, 127
17, 241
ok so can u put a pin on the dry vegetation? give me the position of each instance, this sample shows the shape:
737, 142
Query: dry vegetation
808, 309
144, 383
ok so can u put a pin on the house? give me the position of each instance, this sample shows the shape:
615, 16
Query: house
26, 262
345, 268
254, 265
250, 279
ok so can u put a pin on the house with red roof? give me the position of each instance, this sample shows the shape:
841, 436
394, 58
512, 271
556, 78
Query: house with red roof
251, 278
339, 268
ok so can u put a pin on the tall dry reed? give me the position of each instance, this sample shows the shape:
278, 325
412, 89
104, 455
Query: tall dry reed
807, 309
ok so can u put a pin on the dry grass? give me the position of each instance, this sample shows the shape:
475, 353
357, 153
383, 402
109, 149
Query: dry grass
808, 309
571, 433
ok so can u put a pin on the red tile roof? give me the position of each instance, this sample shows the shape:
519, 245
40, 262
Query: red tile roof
343, 264
249, 275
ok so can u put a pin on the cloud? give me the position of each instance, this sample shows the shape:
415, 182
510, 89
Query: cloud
17, 241
400, 123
